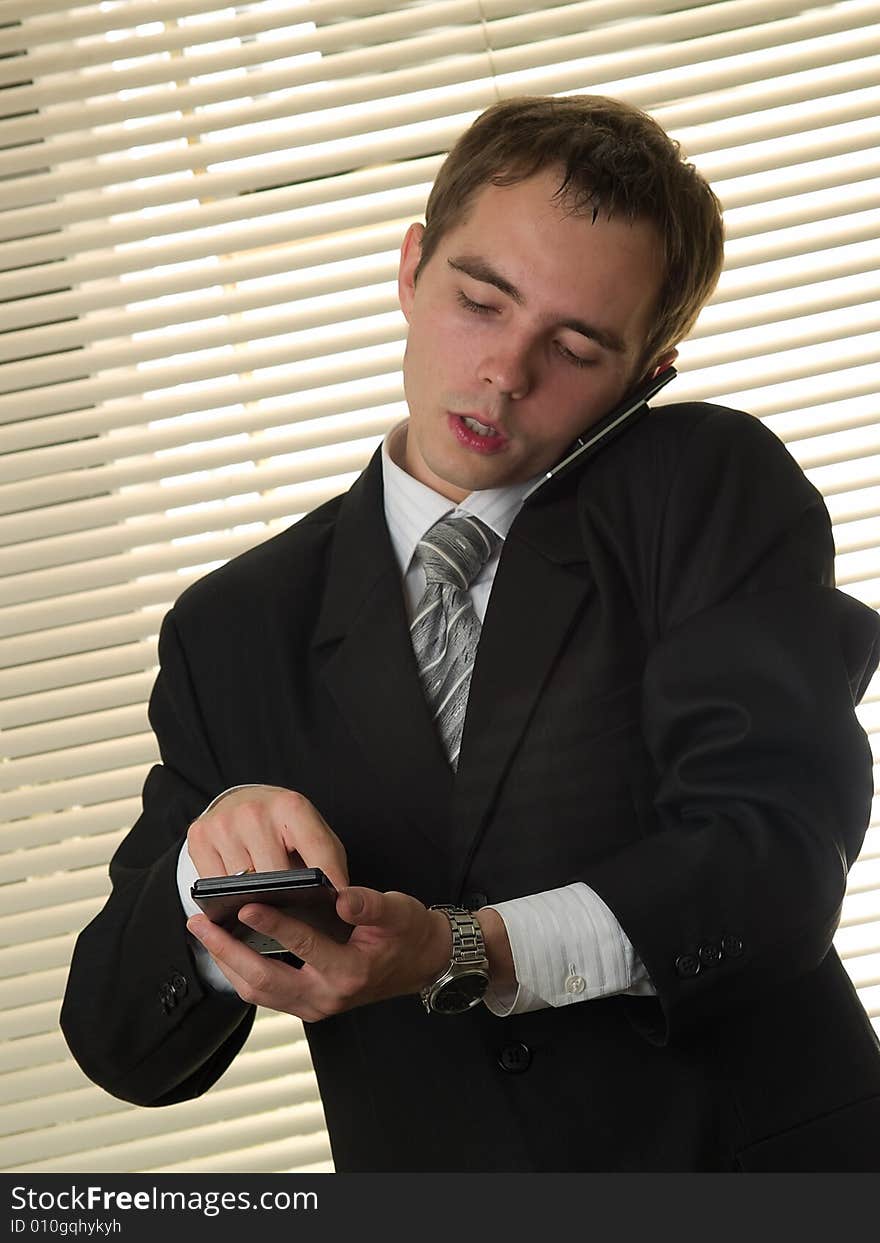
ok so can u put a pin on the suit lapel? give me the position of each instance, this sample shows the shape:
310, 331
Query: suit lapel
370, 670
540, 589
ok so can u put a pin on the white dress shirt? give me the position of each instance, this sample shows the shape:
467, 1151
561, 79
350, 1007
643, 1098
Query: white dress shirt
566, 944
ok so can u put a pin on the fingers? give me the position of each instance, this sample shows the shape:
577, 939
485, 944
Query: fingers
207, 860
396, 945
233, 839
258, 979
306, 831
265, 828
226, 951
316, 949
261, 980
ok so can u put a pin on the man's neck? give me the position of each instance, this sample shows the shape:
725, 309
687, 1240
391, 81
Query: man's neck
397, 452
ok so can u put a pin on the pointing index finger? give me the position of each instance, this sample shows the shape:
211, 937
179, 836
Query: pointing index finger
307, 832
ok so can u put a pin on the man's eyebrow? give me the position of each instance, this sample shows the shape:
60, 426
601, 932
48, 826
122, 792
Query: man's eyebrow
480, 270
607, 340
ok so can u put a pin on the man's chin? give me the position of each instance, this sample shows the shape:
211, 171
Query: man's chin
473, 476
452, 469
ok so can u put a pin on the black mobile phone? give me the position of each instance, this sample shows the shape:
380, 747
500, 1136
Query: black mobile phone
305, 893
627, 412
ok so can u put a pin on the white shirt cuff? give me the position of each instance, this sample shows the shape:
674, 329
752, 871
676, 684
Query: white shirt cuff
208, 971
248, 785
567, 946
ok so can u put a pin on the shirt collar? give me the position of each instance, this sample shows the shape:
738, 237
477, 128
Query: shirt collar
411, 507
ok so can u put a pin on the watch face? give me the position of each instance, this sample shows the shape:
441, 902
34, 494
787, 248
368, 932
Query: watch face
460, 994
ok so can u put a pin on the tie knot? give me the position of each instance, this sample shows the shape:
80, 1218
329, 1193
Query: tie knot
454, 550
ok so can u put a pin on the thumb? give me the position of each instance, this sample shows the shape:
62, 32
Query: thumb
357, 905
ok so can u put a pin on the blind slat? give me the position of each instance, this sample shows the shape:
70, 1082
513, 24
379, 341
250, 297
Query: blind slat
116, 132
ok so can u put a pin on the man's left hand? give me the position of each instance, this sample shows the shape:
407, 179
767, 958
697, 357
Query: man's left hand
397, 947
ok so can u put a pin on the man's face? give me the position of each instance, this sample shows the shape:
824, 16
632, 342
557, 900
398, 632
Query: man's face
527, 321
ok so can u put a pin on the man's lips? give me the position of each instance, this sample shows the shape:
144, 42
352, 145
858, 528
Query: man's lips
485, 442
481, 419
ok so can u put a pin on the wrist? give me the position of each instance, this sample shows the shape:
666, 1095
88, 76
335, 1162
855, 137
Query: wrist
438, 953
502, 974
463, 981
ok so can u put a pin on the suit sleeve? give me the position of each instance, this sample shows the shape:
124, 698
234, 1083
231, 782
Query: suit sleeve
763, 773
135, 1014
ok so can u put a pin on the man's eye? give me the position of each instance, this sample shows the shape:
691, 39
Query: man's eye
574, 359
479, 308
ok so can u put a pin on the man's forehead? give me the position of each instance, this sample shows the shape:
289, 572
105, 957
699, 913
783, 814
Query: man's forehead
543, 198
550, 186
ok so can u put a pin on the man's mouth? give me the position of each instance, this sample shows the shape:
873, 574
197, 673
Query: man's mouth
482, 429
476, 436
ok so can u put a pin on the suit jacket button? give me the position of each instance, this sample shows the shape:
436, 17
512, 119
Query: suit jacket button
474, 901
178, 984
710, 954
732, 946
515, 1058
687, 965
167, 998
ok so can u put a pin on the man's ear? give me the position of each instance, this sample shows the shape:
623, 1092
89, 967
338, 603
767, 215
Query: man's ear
410, 255
664, 361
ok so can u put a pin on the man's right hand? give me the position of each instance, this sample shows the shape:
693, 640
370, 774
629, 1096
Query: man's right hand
267, 829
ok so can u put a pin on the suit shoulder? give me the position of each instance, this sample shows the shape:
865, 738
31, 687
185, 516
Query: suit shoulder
700, 448
711, 423
292, 556
724, 443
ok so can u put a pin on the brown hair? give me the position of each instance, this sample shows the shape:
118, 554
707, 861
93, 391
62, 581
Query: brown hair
616, 160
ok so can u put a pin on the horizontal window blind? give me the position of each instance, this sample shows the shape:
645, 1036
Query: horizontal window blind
200, 210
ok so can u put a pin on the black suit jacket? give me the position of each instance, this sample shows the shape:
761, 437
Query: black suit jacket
662, 706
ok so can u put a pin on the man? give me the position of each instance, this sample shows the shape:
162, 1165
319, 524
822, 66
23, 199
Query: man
644, 821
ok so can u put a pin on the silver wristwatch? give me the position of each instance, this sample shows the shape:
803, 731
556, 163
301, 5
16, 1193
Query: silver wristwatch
466, 979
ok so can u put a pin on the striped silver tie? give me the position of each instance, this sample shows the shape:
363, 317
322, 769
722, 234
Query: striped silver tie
445, 630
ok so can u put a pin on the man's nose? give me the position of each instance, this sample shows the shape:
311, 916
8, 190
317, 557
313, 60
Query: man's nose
508, 368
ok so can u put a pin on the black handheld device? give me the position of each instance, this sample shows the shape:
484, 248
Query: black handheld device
304, 893
627, 412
